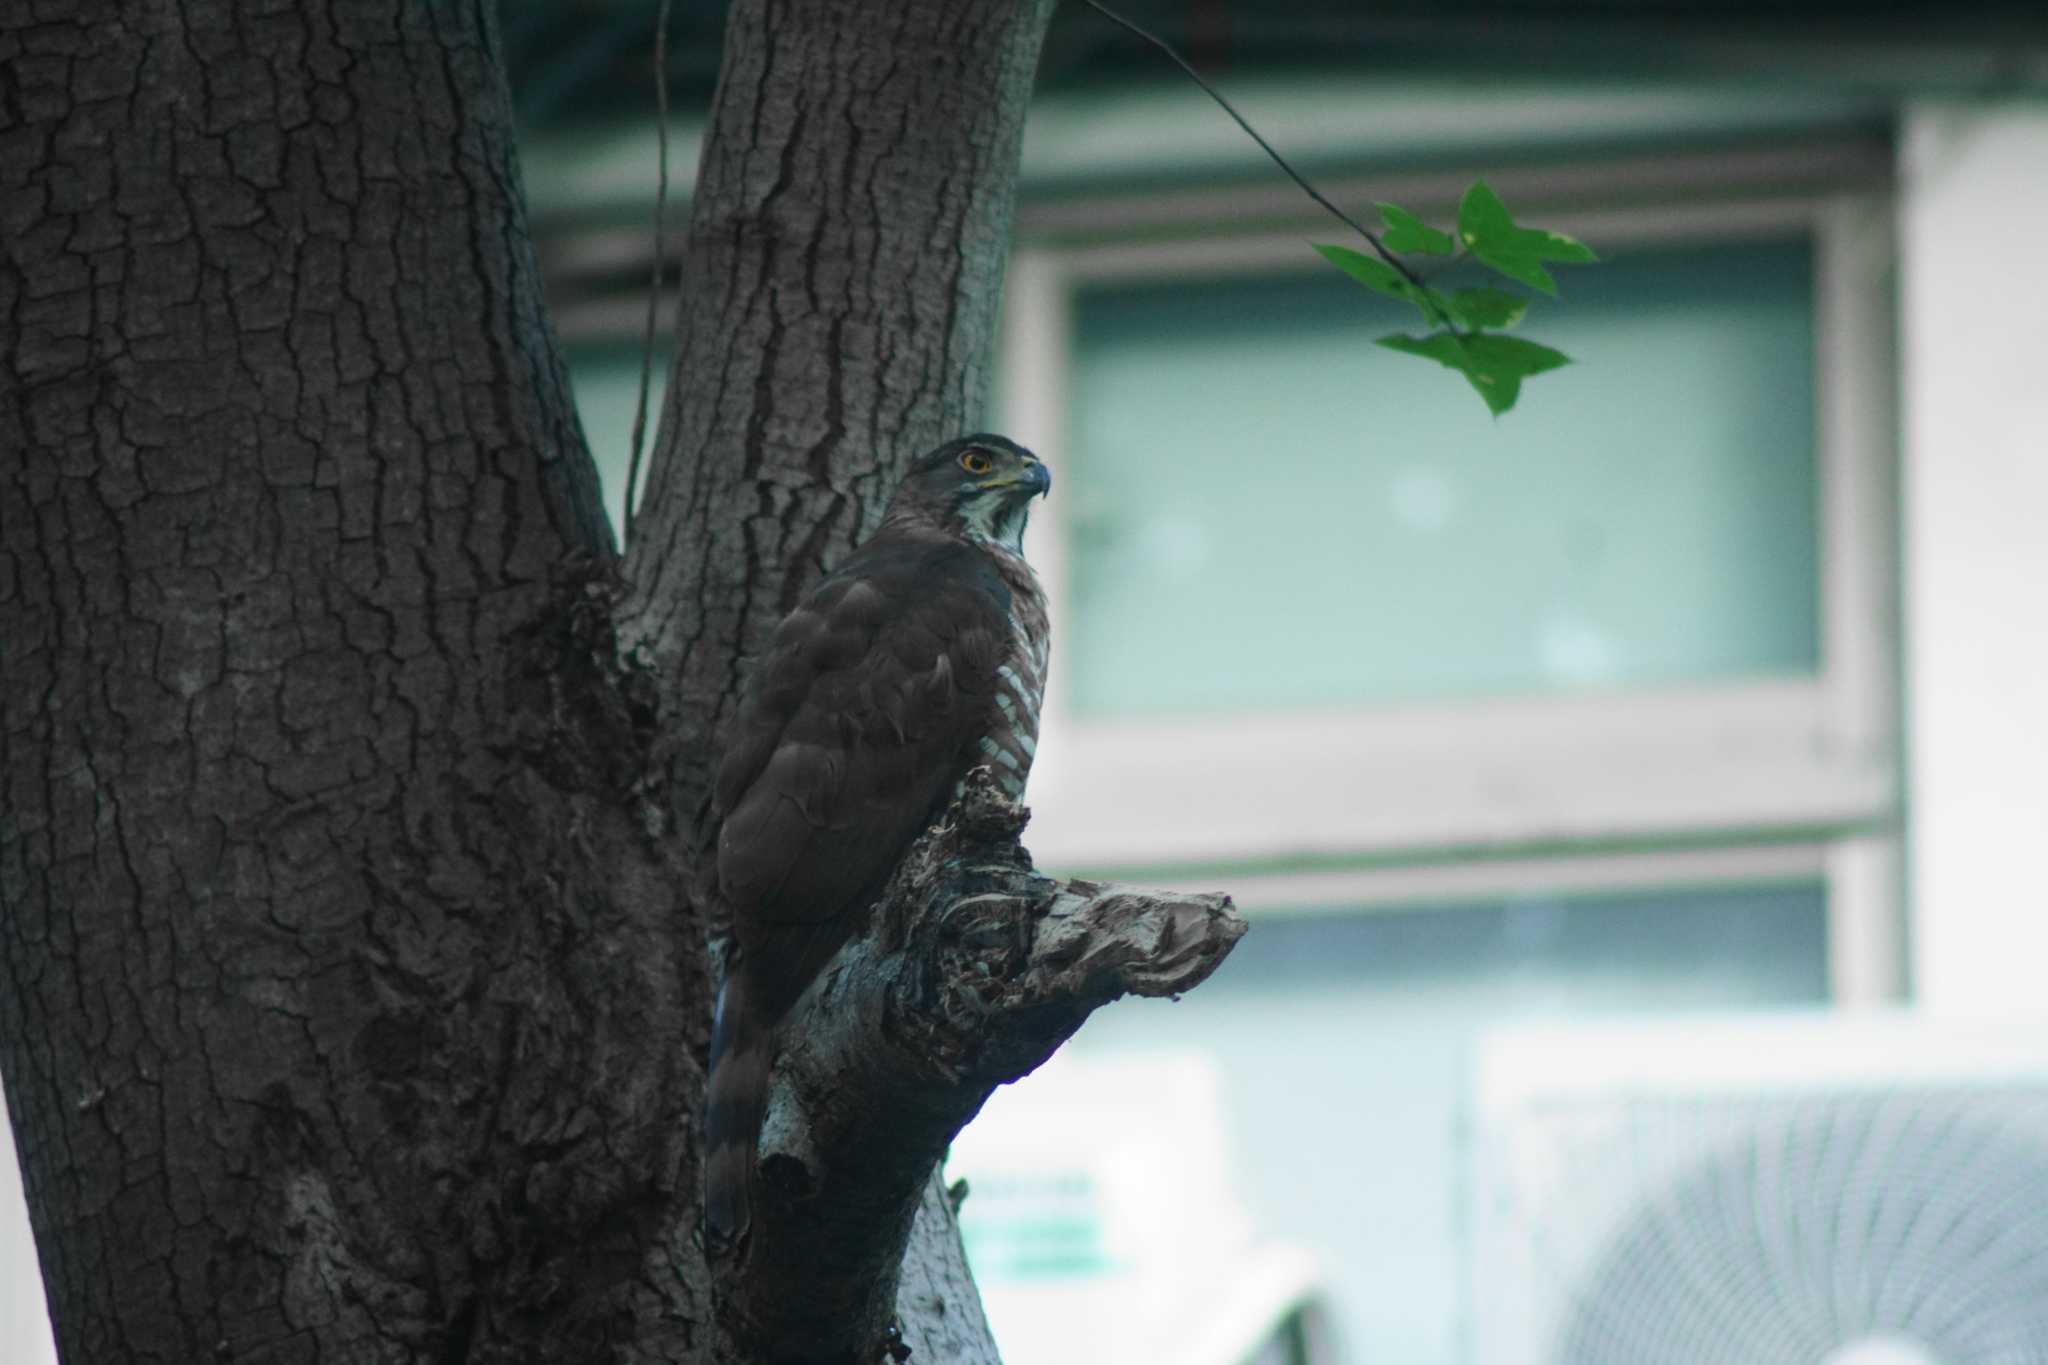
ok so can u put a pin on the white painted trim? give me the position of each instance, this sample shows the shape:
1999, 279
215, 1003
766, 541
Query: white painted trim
1345, 890
1974, 291
1101, 138
1783, 170
1331, 783
1866, 923
1811, 757
1037, 308
1098, 140
1856, 442
1546, 1069
1278, 250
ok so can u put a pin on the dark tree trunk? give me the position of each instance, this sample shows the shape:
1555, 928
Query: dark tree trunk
848, 233
343, 1009
849, 227
353, 989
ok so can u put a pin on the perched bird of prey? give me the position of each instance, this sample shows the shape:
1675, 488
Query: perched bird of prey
917, 660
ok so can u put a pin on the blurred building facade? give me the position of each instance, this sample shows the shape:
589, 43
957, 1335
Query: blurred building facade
1713, 678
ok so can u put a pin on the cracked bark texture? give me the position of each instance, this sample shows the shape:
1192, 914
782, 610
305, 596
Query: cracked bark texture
848, 232
973, 971
343, 1009
849, 226
353, 987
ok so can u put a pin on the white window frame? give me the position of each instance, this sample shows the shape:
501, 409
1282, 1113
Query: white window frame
1351, 806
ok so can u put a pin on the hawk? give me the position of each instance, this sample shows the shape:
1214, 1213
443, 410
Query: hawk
917, 660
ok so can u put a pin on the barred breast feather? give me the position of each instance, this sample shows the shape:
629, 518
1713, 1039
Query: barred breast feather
1011, 741
871, 703
917, 660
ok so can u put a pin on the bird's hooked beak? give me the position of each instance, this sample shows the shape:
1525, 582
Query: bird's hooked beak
1037, 478
1033, 479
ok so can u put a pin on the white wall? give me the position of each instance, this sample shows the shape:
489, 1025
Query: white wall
24, 1323
1974, 298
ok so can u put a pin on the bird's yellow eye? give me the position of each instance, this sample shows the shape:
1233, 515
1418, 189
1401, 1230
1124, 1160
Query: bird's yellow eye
974, 462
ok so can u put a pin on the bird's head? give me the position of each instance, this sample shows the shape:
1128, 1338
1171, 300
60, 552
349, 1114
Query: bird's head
979, 487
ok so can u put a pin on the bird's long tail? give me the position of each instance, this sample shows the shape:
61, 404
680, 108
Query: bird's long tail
735, 1100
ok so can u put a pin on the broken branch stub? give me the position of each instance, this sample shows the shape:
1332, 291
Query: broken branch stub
970, 972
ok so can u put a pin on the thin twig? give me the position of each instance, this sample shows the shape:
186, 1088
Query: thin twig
1278, 160
660, 245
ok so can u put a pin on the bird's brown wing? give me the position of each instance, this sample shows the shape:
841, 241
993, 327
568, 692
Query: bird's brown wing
862, 717
865, 714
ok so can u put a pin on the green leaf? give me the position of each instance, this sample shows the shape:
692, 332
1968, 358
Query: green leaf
1492, 235
1437, 310
1374, 274
1495, 308
1382, 278
1406, 232
1494, 366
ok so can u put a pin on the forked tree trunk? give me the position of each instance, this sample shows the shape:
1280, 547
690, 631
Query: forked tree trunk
849, 226
353, 988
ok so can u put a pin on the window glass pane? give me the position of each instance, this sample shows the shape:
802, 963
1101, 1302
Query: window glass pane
1305, 518
1341, 1048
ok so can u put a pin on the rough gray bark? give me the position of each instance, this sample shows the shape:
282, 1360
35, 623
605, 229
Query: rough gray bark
839, 299
342, 1011
937, 1302
848, 232
973, 971
353, 995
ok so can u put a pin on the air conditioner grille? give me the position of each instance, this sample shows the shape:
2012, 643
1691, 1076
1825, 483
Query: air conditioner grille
1915, 1217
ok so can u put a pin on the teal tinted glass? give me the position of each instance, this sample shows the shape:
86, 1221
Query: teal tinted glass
1345, 1046
1257, 491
